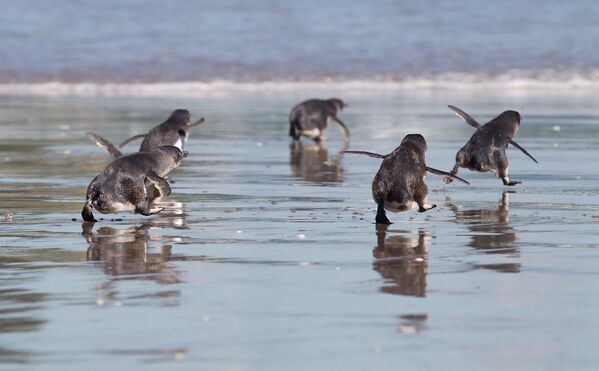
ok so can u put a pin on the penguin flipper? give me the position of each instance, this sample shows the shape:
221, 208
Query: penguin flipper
343, 127
513, 143
444, 173
129, 140
469, 120
104, 143
369, 154
160, 183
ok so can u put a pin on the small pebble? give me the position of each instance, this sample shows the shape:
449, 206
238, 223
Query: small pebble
99, 302
556, 128
304, 264
8, 217
73, 220
419, 260
301, 236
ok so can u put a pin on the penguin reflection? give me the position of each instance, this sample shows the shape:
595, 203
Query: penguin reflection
125, 252
491, 232
312, 162
400, 259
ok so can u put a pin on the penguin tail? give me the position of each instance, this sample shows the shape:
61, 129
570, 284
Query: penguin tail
129, 140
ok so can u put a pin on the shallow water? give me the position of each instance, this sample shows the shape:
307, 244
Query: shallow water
267, 257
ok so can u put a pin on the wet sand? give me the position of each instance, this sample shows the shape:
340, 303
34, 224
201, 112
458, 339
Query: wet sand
267, 256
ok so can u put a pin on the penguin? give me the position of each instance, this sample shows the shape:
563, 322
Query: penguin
400, 180
486, 149
173, 132
310, 118
123, 185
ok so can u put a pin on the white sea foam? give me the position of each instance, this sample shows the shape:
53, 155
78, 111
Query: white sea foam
515, 80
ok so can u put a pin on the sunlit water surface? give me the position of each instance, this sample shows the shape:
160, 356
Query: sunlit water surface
267, 257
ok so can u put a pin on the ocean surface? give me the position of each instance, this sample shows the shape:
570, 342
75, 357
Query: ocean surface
237, 40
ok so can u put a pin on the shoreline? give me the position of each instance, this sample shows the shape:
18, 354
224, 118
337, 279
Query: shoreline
447, 82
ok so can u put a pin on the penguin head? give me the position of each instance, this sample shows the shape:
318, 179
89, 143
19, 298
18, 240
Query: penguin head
171, 156
337, 103
179, 118
416, 142
507, 123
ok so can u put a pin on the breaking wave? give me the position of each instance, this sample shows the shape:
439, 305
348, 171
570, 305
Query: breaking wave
547, 80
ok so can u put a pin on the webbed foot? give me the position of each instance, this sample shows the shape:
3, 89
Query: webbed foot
426, 208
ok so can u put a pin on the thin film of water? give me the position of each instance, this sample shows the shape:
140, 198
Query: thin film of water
267, 256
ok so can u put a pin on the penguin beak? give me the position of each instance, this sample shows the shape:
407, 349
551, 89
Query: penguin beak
196, 122
185, 153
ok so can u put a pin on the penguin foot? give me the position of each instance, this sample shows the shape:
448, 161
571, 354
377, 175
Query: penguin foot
156, 210
87, 214
382, 219
426, 208
512, 183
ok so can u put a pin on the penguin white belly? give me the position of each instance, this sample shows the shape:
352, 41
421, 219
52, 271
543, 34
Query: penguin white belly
179, 144
119, 207
113, 207
312, 133
396, 207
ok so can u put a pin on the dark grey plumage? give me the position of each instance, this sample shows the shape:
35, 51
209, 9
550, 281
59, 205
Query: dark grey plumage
400, 179
173, 132
123, 184
486, 149
310, 118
